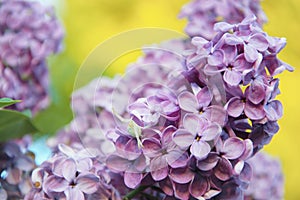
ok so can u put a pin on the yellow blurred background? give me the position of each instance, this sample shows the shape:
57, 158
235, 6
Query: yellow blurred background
89, 23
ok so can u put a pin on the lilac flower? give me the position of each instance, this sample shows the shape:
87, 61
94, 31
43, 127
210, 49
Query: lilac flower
29, 33
196, 134
164, 154
267, 181
149, 111
72, 183
199, 104
203, 14
133, 169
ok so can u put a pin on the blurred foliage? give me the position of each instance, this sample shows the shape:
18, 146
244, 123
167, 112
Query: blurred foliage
89, 23
14, 124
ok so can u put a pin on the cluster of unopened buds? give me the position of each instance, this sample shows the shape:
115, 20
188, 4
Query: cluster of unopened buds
186, 121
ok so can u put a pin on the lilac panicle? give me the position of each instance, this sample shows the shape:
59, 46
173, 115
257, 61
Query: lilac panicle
187, 116
71, 174
267, 181
29, 33
203, 14
16, 165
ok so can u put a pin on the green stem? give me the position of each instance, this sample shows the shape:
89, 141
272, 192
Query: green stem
133, 193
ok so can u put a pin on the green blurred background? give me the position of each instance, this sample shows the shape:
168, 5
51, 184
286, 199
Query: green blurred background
89, 23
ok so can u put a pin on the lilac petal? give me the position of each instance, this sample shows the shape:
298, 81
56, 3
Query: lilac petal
69, 174
232, 77
254, 112
68, 151
216, 59
132, 150
188, 102
246, 173
87, 182
132, 180
212, 70
217, 114
231, 39
230, 53
223, 26
14, 176
25, 163
151, 147
259, 42
209, 163
248, 150
199, 41
166, 186
255, 92
192, 123
241, 64
233, 148
235, 107
160, 173
166, 137
238, 167
223, 170
198, 186
37, 177
204, 97
117, 163
182, 191
183, 138
84, 164
273, 110
251, 53
177, 159
158, 163
74, 193
181, 175
200, 149
55, 184
3, 194
139, 164
58, 167
211, 132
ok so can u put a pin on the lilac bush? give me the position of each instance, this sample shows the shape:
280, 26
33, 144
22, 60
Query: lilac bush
29, 33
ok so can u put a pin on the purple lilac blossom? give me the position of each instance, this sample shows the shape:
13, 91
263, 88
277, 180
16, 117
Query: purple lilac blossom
29, 33
203, 14
228, 111
267, 181
71, 174
194, 125
16, 165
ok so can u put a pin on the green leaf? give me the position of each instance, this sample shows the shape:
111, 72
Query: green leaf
14, 125
7, 102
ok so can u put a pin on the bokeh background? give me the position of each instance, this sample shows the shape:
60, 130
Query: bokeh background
90, 23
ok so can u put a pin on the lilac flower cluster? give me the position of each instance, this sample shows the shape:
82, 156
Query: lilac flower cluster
29, 33
71, 174
194, 135
16, 165
182, 123
203, 14
267, 181
189, 129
